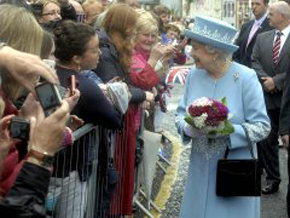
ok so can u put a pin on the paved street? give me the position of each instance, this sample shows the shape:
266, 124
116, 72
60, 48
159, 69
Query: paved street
272, 206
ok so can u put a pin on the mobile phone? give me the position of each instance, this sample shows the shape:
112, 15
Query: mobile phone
48, 96
72, 84
19, 128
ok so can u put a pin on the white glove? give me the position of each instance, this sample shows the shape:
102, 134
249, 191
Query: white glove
191, 131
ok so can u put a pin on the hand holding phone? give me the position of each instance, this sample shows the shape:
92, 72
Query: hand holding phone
72, 84
19, 128
48, 96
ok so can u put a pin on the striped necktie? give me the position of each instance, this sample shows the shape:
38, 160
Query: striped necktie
276, 48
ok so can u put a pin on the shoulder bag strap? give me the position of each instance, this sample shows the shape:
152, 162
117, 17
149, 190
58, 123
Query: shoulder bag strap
249, 146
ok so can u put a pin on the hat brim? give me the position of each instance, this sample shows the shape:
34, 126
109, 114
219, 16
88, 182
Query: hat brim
212, 42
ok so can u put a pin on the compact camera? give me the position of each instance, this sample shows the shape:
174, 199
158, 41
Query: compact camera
48, 96
19, 128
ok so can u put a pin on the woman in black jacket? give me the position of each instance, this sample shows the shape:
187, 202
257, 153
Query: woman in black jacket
77, 49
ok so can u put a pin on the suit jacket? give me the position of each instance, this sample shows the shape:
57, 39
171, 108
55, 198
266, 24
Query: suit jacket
284, 127
243, 54
262, 63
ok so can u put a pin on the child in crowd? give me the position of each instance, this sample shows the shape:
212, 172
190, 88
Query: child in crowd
173, 36
163, 15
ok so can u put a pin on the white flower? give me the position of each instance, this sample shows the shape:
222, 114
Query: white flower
199, 122
202, 102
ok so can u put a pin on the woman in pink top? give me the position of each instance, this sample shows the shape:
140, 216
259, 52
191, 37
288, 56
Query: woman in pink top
150, 62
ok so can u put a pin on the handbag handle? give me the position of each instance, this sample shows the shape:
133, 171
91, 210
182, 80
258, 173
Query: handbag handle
249, 146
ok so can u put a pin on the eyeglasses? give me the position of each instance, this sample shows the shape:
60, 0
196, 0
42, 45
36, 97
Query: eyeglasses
81, 18
51, 13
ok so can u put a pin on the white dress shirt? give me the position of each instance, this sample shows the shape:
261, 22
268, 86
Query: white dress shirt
285, 33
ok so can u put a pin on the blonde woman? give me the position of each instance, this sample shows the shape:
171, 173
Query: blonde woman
20, 30
150, 60
92, 9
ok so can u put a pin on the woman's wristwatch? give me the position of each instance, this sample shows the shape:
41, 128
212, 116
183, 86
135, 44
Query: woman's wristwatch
42, 159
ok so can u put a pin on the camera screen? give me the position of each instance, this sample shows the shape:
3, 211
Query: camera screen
48, 96
19, 129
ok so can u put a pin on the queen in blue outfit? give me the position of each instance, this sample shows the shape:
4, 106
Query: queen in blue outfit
216, 76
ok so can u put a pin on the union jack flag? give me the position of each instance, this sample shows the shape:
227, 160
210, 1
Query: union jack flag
177, 75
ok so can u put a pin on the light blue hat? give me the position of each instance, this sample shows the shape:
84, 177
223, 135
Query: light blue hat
213, 32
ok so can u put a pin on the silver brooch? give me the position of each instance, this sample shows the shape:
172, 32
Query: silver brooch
236, 76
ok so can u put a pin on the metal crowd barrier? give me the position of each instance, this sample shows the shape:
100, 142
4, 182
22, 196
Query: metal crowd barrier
73, 185
79, 187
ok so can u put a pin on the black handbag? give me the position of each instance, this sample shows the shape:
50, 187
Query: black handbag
238, 177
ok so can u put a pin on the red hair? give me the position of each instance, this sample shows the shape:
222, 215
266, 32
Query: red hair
119, 23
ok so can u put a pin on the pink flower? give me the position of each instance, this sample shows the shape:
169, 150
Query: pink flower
215, 110
210, 116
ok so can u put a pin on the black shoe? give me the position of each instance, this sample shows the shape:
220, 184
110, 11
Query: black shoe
270, 189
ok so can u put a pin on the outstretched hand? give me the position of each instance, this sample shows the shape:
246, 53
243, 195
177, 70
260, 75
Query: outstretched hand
21, 66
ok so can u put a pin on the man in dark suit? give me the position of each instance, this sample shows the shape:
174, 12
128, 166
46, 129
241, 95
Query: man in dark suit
250, 30
284, 127
270, 59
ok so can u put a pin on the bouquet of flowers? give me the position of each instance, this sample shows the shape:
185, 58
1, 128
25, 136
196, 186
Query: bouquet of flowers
210, 117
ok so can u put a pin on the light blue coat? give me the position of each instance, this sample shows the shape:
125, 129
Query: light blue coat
245, 98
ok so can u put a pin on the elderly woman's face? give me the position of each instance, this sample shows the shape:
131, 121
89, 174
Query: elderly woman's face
200, 55
146, 40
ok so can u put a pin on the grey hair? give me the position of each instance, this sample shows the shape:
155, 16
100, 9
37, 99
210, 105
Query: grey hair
222, 55
282, 8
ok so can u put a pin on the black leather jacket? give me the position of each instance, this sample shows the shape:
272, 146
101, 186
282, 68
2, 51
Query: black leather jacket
27, 196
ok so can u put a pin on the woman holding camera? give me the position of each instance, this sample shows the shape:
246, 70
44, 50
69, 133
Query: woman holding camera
150, 60
151, 63
21, 31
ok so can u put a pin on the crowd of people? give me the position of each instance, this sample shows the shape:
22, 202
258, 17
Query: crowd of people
104, 63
